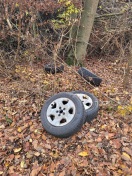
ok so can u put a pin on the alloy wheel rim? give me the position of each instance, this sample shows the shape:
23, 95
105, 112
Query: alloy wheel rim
60, 112
86, 100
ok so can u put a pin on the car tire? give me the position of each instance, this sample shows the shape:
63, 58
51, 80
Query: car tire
89, 76
63, 115
90, 102
51, 68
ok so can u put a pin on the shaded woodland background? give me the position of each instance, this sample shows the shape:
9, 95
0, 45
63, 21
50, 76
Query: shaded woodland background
31, 30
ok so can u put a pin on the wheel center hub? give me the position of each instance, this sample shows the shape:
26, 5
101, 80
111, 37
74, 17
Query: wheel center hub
61, 111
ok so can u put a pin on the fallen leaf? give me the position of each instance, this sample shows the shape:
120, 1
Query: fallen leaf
103, 126
92, 129
84, 153
11, 157
22, 164
125, 92
47, 146
11, 170
123, 166
19, 129
17, 156
127, 150
7, 164
36, 131
29, 155
46, 82
117, 98
113, 158
62, 173
30, 140
131, 100
35, 171
44, 137
16, 150
1, 172
35, 144
109, 135
54, 154
99, 139
125, 156
26, 147
52, 167
51, 174
120, 171
116, 143
1, 135
84, 163
37, 154
2, 126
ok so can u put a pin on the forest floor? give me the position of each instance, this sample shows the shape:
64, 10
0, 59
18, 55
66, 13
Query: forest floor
101, 148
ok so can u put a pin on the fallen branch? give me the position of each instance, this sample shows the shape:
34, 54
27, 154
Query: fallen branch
7, 18
109, 15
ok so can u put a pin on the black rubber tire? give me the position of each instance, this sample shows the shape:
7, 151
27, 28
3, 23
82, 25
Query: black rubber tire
73, 126
89, 76
92, 112
50, 68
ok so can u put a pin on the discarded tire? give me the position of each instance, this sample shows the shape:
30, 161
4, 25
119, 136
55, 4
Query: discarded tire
91, 104
51, 68
89, 76
63, 114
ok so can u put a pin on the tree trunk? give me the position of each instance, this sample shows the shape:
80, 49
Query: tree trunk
83, 33
127, 81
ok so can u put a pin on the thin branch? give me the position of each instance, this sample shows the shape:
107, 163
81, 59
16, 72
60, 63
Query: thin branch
109, 15
7, 18
9, 24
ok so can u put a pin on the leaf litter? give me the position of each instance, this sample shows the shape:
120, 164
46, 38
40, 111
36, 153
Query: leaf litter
103, 147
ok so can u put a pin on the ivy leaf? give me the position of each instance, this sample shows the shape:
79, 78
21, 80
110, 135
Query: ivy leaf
8, 120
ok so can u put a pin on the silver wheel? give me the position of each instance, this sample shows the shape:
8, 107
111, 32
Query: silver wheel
63, 114
86, 100
90, 103
60, 112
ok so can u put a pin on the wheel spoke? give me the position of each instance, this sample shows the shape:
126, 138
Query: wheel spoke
86, 100
62, 102
69, 114
57, 120
61, 111
51, 111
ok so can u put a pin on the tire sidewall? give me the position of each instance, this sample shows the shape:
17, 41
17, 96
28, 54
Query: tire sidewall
92, 112
86, 74
73, 126
52, 69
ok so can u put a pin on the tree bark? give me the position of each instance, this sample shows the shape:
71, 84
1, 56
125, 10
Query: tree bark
83, 33
127, 81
